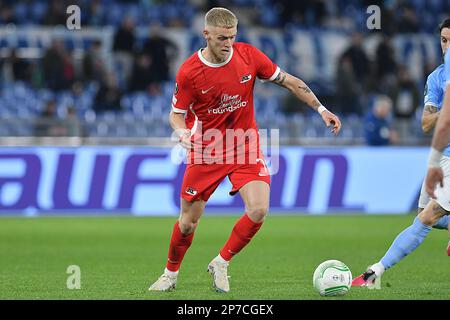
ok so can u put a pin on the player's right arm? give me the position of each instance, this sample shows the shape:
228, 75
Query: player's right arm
182, 98
430, 116
178, 125
430, 112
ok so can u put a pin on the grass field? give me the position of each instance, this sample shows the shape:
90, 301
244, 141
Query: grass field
120, 257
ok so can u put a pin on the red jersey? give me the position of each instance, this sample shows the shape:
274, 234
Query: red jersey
217, 97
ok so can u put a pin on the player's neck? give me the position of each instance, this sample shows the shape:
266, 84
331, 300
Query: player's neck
210, 57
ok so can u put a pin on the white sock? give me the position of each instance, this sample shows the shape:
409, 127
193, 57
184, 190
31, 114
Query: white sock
220, 259
170, 273
378, 268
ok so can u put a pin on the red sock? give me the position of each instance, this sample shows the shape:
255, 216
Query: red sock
242, 233
179, 243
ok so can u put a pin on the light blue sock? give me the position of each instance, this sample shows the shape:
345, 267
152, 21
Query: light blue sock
442, 223
405, 243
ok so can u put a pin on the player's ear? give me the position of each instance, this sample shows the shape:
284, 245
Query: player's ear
206, 34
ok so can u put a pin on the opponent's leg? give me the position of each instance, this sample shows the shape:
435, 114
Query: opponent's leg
405, 243
256, 199
444, 222
182, 235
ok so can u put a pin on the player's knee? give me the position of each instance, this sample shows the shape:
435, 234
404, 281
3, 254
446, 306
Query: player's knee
257, 213
187, 226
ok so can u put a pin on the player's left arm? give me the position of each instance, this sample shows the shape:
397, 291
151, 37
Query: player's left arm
299, 88
441, 139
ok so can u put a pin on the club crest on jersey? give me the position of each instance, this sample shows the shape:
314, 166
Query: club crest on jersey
190, 191
246, 78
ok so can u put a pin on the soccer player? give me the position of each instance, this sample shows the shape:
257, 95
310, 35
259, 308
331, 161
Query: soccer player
435, 211
213, 97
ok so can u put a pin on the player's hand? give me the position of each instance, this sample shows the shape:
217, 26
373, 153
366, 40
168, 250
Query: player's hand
185, 138
434, 176
331, 119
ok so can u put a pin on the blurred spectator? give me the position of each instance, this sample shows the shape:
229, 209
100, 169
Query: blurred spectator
7, 15
109, 95
293, 11
385, 64
123, 46
37, 77
68, 70
161, 52
72, 123
348, 89
95, 13
47, 124
16, 69
358, 58
408, 22
57, 67
377, 125
94, 68
56, 14
405, 94
142, 75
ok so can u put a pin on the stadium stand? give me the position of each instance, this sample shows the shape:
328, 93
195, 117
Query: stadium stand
111, 91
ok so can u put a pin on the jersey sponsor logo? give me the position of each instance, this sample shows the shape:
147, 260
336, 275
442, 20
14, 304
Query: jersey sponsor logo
190, 191
207, 90
228, 103
246, 78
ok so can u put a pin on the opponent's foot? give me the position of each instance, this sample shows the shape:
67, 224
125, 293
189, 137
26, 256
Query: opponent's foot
370, 279
218, 270
164, 283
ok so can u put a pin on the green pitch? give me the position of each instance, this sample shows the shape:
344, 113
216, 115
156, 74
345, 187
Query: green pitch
119, 257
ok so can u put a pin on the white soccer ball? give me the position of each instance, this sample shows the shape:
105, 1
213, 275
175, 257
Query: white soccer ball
332, 278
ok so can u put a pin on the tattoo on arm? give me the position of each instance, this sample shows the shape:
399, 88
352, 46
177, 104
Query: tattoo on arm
305, 88
316, 104
280, 78
430, 109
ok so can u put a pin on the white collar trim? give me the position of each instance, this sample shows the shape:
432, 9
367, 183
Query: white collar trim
214, 65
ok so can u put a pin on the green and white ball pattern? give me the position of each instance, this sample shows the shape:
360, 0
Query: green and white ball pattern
332, 278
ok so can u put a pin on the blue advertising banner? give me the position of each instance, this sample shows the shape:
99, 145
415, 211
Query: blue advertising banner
145, 181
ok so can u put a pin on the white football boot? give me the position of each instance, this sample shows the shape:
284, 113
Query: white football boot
218, 270
165, 282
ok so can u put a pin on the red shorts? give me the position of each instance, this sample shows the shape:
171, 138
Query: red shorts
201, 180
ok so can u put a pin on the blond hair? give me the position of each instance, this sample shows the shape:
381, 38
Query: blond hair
220, 17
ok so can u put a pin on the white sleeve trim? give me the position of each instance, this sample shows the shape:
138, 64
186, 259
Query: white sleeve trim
176, 110
430, 103
274, 76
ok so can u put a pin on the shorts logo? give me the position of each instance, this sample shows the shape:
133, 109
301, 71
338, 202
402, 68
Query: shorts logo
246, 78
191, 191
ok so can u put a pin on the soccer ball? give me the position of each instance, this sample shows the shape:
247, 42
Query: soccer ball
332, 278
